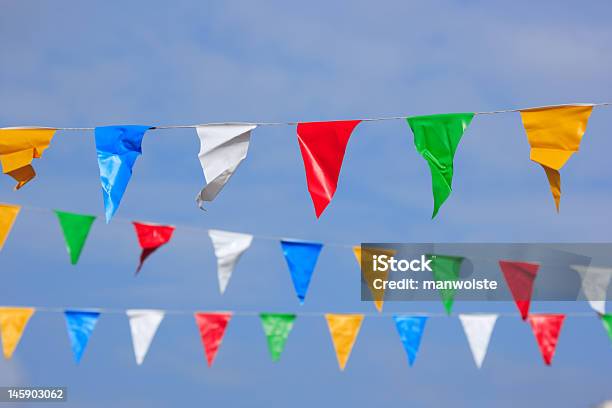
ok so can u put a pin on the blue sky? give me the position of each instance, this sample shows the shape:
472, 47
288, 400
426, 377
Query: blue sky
71, 63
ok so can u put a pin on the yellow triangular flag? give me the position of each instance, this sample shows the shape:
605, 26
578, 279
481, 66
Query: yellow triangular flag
13, 321
344, 329
369, 275
18, 147
554, 134
8, 213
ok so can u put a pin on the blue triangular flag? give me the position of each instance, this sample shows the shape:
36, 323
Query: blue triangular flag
301, 258
410, 329
118, 148
80, 326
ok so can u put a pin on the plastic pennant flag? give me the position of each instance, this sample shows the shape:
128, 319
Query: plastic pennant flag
436, 138
323, 145
595, 282
80, 325
151, 237
277, 327
75, 228
546, 329
369, 275
118, 148
410, 330
554, 134
446, 268
229, 247
343, 329
13, 321
478, 329
607, 323
18, 147
8, 214
301, 258
212, 329
143, 326
520, 277
222, 148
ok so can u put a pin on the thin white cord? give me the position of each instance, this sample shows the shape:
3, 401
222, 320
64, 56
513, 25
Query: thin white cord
300, 314
603, 104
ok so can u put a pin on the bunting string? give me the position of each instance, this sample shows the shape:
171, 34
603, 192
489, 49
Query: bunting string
294, 123
277, 238
248, 313
343, 328
554, 134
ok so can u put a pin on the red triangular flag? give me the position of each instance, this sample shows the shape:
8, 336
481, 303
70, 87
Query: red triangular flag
519, 277
212, 328
546, 328
323, 145
151, 237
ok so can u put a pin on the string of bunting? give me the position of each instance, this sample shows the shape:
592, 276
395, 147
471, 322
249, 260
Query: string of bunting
343, 328
554, 134
302, 256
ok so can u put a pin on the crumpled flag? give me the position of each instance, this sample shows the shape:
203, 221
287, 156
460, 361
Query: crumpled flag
18, 147
13, 321
118, 148
478, 329
76, 229
143, 326
323, 145
80, 325
212, 329
546, 329
277, 327
520, 277
410, 330
229, 246
595, 282
343, 329
222, 148
301, 259
368, 274
436, 138
554, 134
8, 214
151, 237
446, 268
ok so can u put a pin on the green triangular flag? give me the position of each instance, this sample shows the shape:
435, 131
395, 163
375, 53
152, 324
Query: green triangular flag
446, 268
277, 327
607, 322
75, 228
436, 138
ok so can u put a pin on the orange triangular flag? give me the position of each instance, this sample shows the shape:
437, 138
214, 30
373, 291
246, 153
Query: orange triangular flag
344, 329
18, 147
378, 295
8, 213
554, 134
13, 321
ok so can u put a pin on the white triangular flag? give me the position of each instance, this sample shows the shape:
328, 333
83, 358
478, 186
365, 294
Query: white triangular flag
143, 324
228, 248
222, 148
595, 282
478, 329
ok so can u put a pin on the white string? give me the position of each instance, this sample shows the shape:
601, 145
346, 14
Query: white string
275, 238
200, 229
248, 313
603, 104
